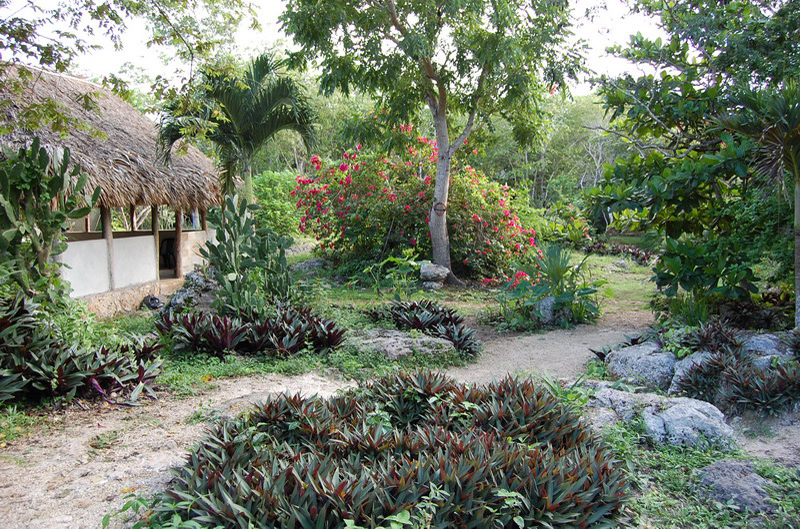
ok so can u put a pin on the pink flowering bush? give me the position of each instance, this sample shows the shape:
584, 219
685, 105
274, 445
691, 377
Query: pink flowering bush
367, 207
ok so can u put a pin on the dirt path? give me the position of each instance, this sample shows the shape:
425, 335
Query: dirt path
83, 463
561, 353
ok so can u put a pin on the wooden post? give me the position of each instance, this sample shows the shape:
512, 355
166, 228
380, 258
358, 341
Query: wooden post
203, 219
156, 239
132, 214
178, 242
108, 235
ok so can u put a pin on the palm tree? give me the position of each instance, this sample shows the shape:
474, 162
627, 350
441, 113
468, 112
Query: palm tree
771, 117
238, 115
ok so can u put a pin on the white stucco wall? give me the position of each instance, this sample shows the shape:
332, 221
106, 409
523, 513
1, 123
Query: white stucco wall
134, 261
192, 242
86, 266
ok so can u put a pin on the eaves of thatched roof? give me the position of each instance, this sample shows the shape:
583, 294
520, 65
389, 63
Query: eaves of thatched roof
125, 163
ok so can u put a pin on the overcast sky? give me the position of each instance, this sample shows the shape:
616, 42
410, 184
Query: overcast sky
611, 26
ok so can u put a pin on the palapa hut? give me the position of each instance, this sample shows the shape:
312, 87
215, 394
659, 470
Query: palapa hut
115, 268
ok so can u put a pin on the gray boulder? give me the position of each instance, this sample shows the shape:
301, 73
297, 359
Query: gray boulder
764, 345
433, 273
682, 368
642, 364
311, 267
397, 344
687, 422
680, 421
431, 285
735, 480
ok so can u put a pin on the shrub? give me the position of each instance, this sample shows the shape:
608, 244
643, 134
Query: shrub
418, 447
35, 362
277, 211
370, 207
286, 332
433, 319
553, 276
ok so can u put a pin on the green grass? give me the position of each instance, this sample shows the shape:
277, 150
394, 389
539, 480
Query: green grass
665, 480
626, 287
632, 240
15, 423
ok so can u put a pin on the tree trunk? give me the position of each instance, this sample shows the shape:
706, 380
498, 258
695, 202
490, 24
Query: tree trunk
797, 253
249, 194
440, 242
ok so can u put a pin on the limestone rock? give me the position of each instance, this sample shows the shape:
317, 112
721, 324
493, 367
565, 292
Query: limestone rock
680, 421
397, 344
198, 291
735, 480
642, 364
431, 285
687, 422
433, 273
311, 267
682, 368
764, 345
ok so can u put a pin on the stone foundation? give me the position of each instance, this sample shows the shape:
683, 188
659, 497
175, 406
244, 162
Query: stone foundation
127, 299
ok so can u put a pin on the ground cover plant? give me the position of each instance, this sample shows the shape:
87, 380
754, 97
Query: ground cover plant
446, 454
38, 361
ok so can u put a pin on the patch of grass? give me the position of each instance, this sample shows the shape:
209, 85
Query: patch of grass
106, 440
202, 414
596, 370
633, 240
667, 485
15, 423
134, 323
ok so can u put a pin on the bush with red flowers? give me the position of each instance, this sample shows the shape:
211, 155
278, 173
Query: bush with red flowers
367, 207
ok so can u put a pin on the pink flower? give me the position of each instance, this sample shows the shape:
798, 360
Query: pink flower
343, 167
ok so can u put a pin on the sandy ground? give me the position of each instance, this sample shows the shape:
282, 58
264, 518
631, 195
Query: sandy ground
561, 353
56, 478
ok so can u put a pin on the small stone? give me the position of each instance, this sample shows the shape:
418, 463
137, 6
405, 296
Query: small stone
642, 364
397, 344
687, 422
434, 273
431, 285
735, 480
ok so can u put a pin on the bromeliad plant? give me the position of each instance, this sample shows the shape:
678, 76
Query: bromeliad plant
35, 362
286, 332
433, 319
553, 278
382, 451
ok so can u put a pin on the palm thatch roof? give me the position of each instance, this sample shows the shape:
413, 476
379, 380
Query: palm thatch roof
124, 164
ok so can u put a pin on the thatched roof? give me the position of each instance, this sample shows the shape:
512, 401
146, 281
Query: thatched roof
125, 163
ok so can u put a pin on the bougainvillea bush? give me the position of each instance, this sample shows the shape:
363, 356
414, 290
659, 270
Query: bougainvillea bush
419, 448
367, 207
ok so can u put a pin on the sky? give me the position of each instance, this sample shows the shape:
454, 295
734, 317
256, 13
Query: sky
608, 27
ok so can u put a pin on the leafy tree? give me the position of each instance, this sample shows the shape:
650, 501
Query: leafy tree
686, 179
475, 58
771, 117
238, 115
50, 37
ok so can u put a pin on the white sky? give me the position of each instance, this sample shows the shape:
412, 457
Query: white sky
611, 26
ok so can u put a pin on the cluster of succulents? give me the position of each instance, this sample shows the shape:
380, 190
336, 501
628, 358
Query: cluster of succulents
732, 380
417, 447
35, 362
430, 318
286, 332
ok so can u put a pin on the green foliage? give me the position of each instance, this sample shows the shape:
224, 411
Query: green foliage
497, 452
238, 113
37, 362
249, 263
286, 332
552, 276
277, 212
39, 194
430, 318
398, 273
